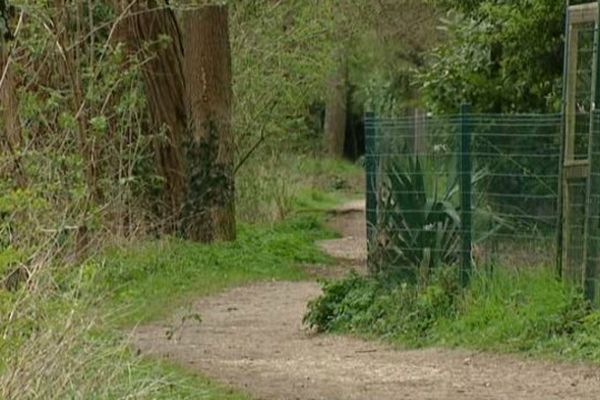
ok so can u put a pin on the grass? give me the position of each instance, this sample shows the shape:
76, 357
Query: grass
74, 340
185, 385
152, 279
66, 338
281, 185
526, 311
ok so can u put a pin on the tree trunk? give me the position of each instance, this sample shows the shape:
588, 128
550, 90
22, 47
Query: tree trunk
209, 212
335, 110
11, 139
164, 84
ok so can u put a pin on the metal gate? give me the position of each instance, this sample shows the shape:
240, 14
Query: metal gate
580, 186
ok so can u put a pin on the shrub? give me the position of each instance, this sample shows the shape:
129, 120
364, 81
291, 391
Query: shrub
380, 307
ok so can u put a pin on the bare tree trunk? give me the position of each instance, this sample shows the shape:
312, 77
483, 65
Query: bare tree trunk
11, 139
164, 84
335, 110
210, 203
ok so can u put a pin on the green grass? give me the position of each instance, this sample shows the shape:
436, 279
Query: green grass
150, 281
316, 200
153, 279
89, 311
507, 311
331, 166
279, 186
184, 384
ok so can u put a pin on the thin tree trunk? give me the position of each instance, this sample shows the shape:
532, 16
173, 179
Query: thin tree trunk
335, 110
11, 139
210, 203
164, 84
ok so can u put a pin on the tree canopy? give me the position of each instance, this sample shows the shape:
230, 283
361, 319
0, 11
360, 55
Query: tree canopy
500, 56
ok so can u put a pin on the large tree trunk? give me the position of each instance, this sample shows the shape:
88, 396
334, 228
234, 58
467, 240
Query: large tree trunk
335, 109
210, 204
165, 89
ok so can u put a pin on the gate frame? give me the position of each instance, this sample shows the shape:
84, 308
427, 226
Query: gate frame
570, 167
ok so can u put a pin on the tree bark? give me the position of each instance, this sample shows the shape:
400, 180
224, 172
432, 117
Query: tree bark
165, 89
11, 139
335, 110
209, 212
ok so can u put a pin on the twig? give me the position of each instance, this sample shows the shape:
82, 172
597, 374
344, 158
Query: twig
256, 145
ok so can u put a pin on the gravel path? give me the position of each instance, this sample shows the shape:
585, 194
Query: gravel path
252, 338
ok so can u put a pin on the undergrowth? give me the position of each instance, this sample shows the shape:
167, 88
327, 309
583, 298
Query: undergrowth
505, 310
66, 339
280, 185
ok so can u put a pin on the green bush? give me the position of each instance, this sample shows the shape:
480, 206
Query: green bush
505, 311
379, 307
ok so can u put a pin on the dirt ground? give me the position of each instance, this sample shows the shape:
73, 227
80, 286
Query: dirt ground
252, 338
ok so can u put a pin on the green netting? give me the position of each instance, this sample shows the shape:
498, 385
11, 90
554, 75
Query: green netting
415, 211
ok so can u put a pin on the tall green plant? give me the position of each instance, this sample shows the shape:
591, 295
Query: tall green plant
419, 225
417, 231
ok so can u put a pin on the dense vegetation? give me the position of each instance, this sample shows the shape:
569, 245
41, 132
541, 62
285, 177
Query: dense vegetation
506, 311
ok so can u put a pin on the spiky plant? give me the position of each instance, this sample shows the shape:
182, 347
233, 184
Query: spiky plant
416, 230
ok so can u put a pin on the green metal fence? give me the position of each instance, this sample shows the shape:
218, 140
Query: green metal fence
471, 190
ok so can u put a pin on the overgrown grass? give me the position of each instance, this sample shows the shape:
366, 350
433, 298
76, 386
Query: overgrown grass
63, 335
506, 311
67, 340
184, 384
284, 183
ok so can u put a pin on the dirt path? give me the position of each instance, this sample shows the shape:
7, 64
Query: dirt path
252, 338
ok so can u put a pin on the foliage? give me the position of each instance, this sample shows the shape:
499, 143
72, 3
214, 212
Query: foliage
506, 310
284, 183
281, 58
417, 226
386, 54
516, 311
382, 308
500, 57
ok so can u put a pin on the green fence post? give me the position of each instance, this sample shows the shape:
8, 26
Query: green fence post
560, 226
371, 179
465, 182
593, 210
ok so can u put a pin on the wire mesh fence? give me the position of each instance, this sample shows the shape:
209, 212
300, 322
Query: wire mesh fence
475, 190
484, 190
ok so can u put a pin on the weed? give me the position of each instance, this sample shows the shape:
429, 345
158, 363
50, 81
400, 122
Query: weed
382, 308
507, 310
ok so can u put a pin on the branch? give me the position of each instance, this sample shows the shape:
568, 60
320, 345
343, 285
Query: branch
258, 142
250, 152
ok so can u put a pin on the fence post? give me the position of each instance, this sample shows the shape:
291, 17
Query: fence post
465, 182
592, 229
371, 172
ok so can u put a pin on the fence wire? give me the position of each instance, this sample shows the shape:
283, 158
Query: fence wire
418, 185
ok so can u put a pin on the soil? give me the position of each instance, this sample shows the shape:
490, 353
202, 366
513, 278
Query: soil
252, 338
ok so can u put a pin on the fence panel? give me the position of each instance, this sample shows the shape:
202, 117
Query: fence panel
423, 172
